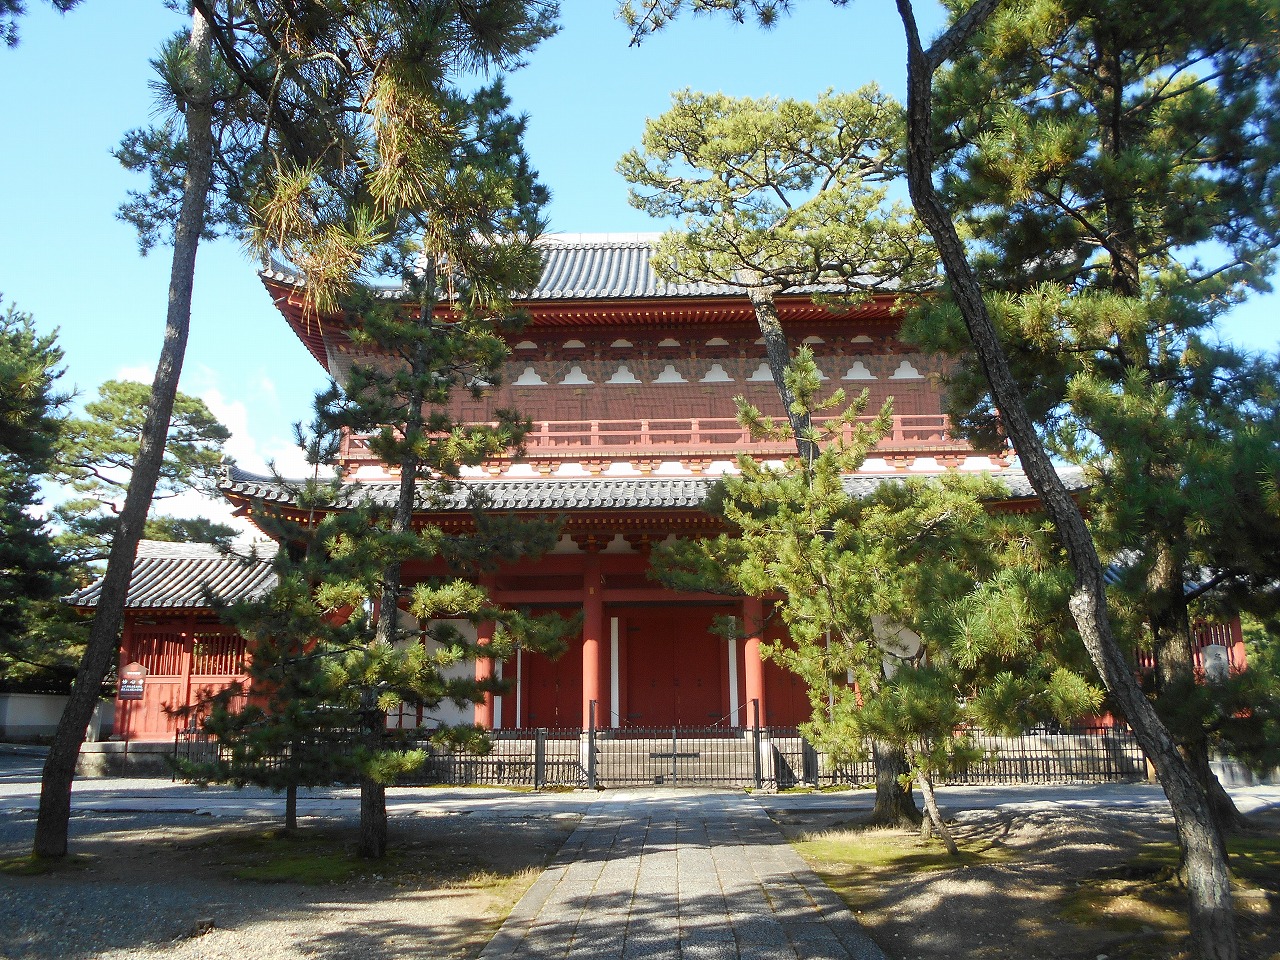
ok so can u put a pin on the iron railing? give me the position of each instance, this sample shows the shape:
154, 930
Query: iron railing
752, 756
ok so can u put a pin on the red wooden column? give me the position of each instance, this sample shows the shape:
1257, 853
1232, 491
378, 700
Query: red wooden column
592, 635
188, 655
484, 671
753, 666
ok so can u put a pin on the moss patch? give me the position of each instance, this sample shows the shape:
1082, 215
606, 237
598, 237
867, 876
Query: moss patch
30, 865
1145, 896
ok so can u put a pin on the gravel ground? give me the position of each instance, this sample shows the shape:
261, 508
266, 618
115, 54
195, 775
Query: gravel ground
152, 885
1012, 908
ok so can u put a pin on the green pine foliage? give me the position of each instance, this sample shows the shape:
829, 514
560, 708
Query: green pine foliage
37, 646
790, 193
321, 682
12, 10
96, 459
1113, 164
985, 593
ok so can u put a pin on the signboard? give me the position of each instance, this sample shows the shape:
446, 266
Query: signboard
133, 680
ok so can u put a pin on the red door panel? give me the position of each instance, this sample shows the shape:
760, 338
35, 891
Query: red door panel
553, 688
673, 669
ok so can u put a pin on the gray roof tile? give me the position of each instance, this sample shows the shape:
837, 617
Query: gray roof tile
183, 576
579, 493
592, 267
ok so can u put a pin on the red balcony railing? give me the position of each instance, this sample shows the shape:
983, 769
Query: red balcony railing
687, 436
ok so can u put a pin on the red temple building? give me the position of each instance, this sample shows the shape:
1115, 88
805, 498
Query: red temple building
630, 384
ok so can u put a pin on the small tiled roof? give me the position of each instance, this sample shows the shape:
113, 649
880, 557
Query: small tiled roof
184, 576
578, 493
593, 266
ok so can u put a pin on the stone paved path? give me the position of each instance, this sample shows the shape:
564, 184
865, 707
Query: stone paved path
679, 875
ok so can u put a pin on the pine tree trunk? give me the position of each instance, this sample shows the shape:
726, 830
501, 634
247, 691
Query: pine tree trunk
895, 806
373, 819
935, 815
1175, 661
103, 644
778, 353
291, 808
1212, 919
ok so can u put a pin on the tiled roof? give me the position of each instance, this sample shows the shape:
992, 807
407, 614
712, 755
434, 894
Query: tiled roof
599, 266
579, 493
184, 575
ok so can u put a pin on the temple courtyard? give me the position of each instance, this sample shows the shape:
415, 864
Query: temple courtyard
177, 871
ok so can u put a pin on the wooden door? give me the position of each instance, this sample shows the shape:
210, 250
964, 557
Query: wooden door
674, 669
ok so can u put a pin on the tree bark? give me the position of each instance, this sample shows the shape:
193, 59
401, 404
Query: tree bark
935, 815
373, 819
1175, 659
1212, 918
103, 643
778, 353
895, 806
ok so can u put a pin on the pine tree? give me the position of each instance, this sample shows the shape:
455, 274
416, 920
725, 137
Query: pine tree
1118, 142
321, 678
983, 597
32, 572
288, 86
779, 196
441, 198
99, 449
1212, 920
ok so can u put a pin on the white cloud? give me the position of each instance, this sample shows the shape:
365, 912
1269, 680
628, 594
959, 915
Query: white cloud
145, 375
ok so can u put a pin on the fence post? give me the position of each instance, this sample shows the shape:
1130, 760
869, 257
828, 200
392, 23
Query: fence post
674, 779
809, 762
755, 744
591, 746
540, 758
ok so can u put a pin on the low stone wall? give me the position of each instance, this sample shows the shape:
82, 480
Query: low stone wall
126, 758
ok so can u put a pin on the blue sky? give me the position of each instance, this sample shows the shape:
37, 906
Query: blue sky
76, 83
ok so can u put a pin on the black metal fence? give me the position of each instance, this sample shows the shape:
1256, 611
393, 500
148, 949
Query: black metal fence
759, 757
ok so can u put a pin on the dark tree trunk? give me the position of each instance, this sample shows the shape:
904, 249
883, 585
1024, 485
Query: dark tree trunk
1212, 919
291, 808
373, 819
935, 815
778, 353
1175, 661
895, 806
103, 643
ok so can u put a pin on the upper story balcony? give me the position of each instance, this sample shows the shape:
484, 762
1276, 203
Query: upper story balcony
692, 442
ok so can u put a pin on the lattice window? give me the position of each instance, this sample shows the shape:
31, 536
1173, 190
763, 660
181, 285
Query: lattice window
217, 655
160, 651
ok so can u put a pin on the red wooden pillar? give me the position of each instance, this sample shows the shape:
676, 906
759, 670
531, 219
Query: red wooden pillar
592, 635
188, 655
484, 671
753, 666
1237, 656
123, 723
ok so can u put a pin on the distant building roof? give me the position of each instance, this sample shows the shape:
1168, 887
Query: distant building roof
184, 576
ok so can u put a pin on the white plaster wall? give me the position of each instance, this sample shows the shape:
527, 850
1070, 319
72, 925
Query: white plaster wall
25, 716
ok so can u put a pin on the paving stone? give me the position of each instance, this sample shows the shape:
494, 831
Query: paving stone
679, 875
